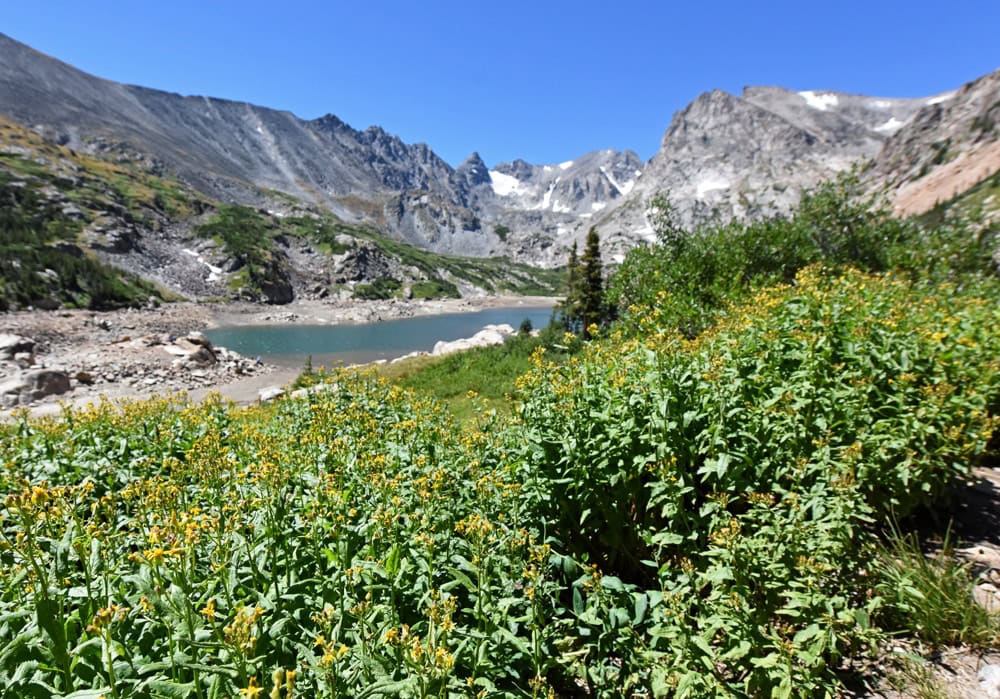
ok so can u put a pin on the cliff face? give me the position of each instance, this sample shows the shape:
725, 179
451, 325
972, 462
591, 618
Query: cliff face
723, 156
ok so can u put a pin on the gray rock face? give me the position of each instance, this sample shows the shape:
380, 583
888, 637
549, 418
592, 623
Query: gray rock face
945, 127
726, 157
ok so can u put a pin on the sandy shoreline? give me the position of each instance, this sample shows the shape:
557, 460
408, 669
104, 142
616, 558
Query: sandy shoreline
337, 312
124, 354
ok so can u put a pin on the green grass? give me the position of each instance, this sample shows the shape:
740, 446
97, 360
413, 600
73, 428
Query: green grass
434, 289
912, 676
477, 379
930, 596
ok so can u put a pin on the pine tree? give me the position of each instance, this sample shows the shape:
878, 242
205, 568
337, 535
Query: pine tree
591, 295
570, 306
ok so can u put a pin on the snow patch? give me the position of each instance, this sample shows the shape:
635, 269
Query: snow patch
618, 258
598, 205
646, 233
505, 185
558, 208
881, 104
214, 273
819, 101
623, 189
941, 98
891, 126
710, 183
566, 166
547, 199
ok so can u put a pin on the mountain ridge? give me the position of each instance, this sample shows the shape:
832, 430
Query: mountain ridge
722, 156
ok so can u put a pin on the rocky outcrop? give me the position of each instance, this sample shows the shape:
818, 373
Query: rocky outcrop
363, 263
951, 144
726, 156
30, 386
489, 335
12, 345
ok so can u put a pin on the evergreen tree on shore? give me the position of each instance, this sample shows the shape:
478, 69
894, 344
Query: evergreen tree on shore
584, 304
592, 308
570, 307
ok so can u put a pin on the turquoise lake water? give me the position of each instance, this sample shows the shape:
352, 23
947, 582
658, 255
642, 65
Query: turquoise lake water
334, 345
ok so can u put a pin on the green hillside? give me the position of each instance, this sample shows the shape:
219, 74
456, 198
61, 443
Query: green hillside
697, 503
50, 195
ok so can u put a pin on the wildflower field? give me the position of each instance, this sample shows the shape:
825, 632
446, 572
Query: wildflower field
661, 517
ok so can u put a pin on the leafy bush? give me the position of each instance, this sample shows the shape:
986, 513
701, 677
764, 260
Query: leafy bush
664, 517
692, 275
734, 475
383, 288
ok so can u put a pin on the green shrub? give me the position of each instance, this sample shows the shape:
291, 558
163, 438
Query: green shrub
434, 289
40, 265
735, 474
384, 288
692, 275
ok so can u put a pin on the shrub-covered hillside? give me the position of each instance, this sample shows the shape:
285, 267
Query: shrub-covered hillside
668, 513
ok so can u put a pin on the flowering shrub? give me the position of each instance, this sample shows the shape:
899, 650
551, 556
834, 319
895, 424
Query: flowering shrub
731, 480
665, 517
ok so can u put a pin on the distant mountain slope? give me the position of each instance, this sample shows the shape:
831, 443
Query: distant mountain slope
230, 150
84, 231
725, 156
722, 156
950, 146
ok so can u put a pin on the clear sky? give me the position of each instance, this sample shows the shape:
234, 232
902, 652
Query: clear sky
542, 80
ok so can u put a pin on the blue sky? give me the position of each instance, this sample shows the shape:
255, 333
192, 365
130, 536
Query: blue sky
542, 81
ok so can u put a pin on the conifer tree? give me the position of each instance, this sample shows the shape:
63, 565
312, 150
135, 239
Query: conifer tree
591, 285
570, 306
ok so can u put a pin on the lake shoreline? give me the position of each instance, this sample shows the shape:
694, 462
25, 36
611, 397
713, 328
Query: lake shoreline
352, 311
124, 354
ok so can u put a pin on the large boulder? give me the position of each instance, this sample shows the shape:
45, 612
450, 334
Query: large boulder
194, 349
489, 335
32, 386
14, 344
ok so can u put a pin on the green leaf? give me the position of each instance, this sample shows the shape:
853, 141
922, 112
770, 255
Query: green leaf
87, 694
767, 661
172, 690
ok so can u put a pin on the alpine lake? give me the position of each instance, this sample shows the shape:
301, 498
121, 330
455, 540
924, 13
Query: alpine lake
291, 345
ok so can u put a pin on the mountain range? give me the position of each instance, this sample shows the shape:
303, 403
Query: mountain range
722, 156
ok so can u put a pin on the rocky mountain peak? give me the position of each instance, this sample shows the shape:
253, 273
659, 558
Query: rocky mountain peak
473, 171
